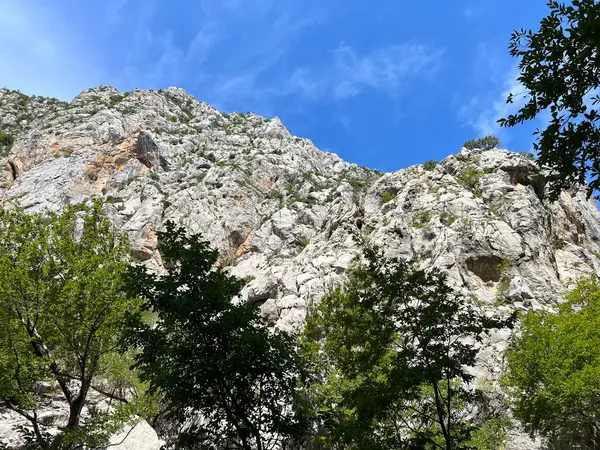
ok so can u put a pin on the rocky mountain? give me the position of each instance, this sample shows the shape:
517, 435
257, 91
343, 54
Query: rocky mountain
292, 218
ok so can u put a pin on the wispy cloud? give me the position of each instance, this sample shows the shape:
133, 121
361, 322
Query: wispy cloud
483, 111
386, 69
500, 78
229, 51
348, 73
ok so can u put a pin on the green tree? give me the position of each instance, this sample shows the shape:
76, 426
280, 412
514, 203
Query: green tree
227, 378
61, 309
553, 371
6, 142
485, 143
559, 70
387, 354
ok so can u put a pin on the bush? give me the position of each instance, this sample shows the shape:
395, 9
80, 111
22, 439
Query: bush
421, 219
303, 241
447, 218
430, 165
469, 177
387, 196
6, 142
486, 143
527, 155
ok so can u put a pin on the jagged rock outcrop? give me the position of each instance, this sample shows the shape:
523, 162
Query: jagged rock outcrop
293, 218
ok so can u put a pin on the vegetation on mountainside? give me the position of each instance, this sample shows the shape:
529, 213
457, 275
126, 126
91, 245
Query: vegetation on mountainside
6, 142
470, 177
211, 356
387, 196
388, 353
430, 164
553, 371
559, 76
61, 318
383, 364
485, 143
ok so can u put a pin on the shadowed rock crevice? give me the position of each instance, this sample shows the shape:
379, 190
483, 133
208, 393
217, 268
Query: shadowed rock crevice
527, 176
12, 171
146, 151
487, 268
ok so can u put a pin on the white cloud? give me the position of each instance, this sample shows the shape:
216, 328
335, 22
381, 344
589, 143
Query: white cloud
499, 73
387, 69
483, 115
201, 45
390, 70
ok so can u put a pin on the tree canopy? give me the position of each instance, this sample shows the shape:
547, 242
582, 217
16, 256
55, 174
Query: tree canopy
560, 74
225, 376
61, 310
485, 143
388, 354
553, 371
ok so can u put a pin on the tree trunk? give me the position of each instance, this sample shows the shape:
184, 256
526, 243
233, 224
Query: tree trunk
439, 406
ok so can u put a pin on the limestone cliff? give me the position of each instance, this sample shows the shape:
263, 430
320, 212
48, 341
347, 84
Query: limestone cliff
294, 217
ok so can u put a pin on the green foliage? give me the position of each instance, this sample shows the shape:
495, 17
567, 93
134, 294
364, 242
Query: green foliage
491, 435
469, 177
485, 143
527, 155
273, 194
430, 165
6, 142
553, 370
303, 241
116, 98
210, 356
387, 354
387, 196
61, 309
447, 218
421, 219
559, 73
503, 270
359, 179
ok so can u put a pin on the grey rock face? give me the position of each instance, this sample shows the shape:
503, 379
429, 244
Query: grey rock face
293, 218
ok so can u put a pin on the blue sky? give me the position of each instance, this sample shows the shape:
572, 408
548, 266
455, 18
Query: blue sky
383, 83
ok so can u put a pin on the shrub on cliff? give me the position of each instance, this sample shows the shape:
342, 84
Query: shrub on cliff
485, 143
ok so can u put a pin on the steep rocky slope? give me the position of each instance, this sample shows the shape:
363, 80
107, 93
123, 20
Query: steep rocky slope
292, 217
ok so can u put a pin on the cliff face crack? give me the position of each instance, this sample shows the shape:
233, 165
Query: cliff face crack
12, 171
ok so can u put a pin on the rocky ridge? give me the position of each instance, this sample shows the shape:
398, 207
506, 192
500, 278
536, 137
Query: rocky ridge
291, 217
